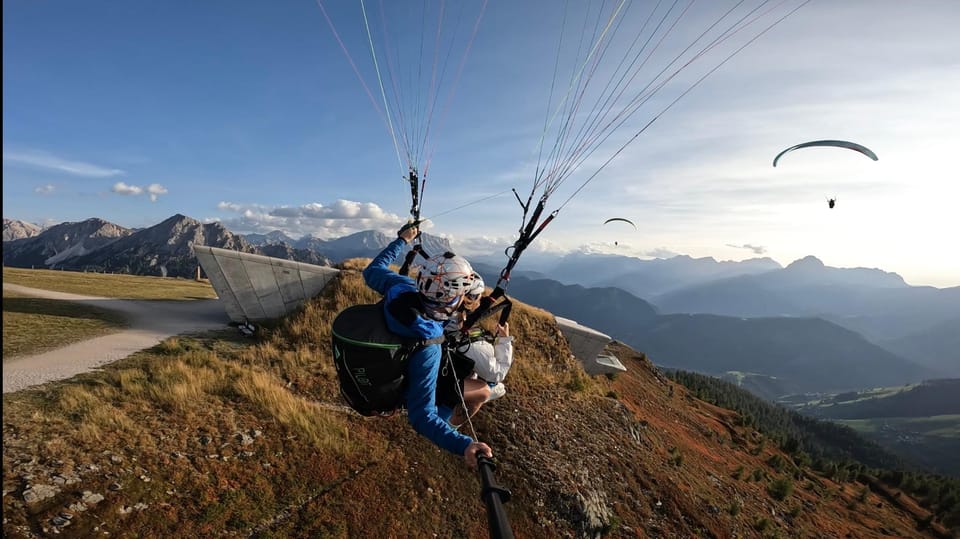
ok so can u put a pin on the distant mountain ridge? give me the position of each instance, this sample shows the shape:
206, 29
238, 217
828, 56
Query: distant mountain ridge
804, 354
166, 249
640, 277
875, 303
61, 243
365, 244
801, 354
793, 315
18, 230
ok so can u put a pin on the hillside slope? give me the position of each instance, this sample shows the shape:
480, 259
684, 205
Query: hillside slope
226, 437
806, 354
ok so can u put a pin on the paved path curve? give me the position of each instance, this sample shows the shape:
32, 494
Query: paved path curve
149, 323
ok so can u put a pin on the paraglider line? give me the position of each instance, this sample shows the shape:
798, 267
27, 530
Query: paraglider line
467, 204
681, 96
373, 54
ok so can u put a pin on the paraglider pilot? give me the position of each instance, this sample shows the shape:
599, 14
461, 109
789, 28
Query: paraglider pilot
418, 310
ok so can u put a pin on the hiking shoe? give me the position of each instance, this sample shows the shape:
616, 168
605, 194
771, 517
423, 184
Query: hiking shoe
497, 391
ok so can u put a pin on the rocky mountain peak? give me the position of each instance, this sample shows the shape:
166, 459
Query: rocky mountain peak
808, 262
14, 229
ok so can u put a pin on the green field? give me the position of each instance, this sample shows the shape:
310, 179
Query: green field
32, 325
942, 426
932, 442
110, 286
825, 399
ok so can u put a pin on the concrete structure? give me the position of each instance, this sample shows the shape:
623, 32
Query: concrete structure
255, 287
587, 345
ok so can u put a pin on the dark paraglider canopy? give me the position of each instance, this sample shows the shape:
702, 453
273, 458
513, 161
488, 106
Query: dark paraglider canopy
836, 143
628, 221
620, 219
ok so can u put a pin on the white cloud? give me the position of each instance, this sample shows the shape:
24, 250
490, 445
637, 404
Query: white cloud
124, 189
45, 189
338, 219
155, 190
661, 252
757, 249
479, 245
41, 159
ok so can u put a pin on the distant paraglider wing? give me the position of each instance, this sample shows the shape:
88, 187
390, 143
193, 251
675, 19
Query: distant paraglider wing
620, 219
838, 143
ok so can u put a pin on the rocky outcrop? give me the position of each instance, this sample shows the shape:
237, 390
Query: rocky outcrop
18, 230
165, 249
58, 245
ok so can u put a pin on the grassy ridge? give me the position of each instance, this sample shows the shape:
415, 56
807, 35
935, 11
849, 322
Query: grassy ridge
219, 434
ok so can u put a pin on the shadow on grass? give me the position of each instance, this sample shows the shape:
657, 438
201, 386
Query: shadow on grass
55, 307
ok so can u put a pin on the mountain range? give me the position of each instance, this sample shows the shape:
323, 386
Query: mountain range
804, 327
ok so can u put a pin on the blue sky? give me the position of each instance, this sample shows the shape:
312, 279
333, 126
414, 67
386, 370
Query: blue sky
250, 113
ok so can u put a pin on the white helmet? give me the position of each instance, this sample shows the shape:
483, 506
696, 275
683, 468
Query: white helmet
443, 279
478, 286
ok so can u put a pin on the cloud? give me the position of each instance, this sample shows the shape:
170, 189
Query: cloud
124, 189
661, 252
154, 190
757, 249
341, 209
338, 219
49, 161
479, 245
47, 189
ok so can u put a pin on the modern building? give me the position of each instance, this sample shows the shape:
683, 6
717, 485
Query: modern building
587, 345
255, 287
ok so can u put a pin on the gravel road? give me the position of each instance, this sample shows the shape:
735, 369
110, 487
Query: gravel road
149, 323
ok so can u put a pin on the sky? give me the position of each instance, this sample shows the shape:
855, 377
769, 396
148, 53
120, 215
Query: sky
253, 114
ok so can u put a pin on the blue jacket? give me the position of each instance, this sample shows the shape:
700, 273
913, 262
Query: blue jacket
405, 317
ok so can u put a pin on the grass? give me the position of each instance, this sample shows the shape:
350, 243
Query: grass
190, 405
932, 441
32, 325
110, 285
944, 426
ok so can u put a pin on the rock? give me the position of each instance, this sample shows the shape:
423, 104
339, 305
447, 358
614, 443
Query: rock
244, 438
38, 493
91, 498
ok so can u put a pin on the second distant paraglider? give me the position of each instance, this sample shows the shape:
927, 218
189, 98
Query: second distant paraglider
628, 221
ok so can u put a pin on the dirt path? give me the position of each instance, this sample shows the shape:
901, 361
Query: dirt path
149, 323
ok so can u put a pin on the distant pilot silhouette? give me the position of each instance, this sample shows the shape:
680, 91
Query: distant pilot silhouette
832, 202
